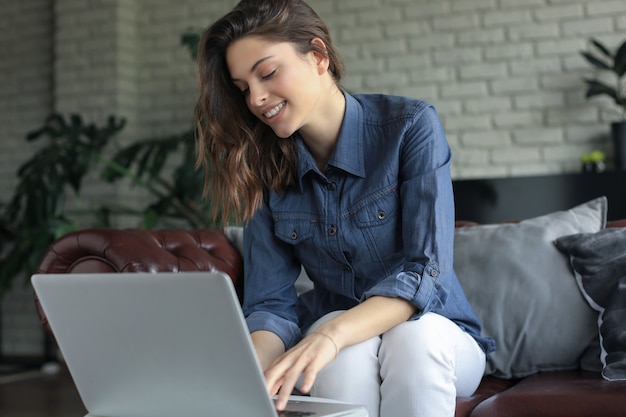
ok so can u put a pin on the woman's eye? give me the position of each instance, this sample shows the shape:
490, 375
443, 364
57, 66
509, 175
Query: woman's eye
245, 91
268, 76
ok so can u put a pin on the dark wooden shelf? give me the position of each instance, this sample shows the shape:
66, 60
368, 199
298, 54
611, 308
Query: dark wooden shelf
513, 198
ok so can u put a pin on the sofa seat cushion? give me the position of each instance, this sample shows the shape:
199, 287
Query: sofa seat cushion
488, 387
566, 393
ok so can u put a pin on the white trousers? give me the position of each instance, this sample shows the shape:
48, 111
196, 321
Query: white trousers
416, 369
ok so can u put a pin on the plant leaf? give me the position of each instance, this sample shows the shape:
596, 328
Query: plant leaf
596, 88
596, 62
190, 40
123, 158
602, 48
145, 159
150, 219
620, 61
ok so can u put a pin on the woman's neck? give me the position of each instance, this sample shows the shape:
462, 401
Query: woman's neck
322, 134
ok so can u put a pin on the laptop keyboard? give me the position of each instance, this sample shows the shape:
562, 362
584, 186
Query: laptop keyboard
291, 413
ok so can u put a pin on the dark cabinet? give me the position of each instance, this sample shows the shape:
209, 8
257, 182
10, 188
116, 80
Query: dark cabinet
513, 198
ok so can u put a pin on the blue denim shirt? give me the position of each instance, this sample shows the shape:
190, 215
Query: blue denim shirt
378, 221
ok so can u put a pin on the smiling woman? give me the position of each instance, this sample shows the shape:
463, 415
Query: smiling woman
355, 189
276, 79
231, 136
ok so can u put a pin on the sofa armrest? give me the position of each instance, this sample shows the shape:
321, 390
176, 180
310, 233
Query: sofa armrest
138, 250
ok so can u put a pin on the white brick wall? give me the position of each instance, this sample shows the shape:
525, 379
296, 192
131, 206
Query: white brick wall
504, 75
25, 100
499, 68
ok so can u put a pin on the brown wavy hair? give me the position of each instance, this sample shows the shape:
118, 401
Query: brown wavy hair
241, 156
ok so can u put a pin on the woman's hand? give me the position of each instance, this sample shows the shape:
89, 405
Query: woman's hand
371, 318
307, 358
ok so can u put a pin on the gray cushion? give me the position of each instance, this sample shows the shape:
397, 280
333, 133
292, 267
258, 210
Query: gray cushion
599, 263
523, 290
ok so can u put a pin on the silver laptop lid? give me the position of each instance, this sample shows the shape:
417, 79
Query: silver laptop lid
157, 345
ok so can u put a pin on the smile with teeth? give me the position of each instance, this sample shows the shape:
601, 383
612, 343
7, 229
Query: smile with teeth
274, 111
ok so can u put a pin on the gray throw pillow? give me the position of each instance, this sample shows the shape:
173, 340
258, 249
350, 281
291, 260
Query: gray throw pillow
599, 263
523, 290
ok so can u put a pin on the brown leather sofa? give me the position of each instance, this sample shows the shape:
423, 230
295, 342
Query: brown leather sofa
565, 393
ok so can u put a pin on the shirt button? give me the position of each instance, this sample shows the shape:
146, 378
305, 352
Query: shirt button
347, 268
332, 230
294, 235
331, 186
381, 215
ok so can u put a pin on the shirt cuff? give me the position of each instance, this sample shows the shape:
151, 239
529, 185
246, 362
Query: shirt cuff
420, 291
286, 330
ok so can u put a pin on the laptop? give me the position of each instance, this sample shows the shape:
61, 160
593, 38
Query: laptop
162, 345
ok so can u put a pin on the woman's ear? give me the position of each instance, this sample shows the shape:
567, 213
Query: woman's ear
321, 59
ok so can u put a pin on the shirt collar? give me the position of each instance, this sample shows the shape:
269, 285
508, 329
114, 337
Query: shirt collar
348, 154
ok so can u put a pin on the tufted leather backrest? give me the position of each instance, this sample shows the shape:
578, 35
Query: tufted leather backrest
138, 250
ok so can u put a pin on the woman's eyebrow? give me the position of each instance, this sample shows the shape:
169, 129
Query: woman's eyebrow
256, 64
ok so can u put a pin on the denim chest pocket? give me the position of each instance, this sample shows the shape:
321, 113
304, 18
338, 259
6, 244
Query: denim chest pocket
378, 209
379, 239
293, 231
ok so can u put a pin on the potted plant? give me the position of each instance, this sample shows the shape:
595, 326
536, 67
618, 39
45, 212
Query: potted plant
612, 63
593, 161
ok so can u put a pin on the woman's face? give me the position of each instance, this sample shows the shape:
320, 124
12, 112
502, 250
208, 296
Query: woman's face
281, 87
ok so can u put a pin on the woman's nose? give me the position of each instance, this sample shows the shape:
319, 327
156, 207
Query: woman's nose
258, 96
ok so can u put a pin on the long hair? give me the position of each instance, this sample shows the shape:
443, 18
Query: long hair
240, 155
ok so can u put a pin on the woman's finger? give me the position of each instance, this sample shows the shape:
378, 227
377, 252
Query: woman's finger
306, 358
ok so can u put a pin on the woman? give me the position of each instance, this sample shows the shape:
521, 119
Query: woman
354, 188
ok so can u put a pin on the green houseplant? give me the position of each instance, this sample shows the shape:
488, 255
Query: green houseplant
47, 201
36, 213
613, 64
